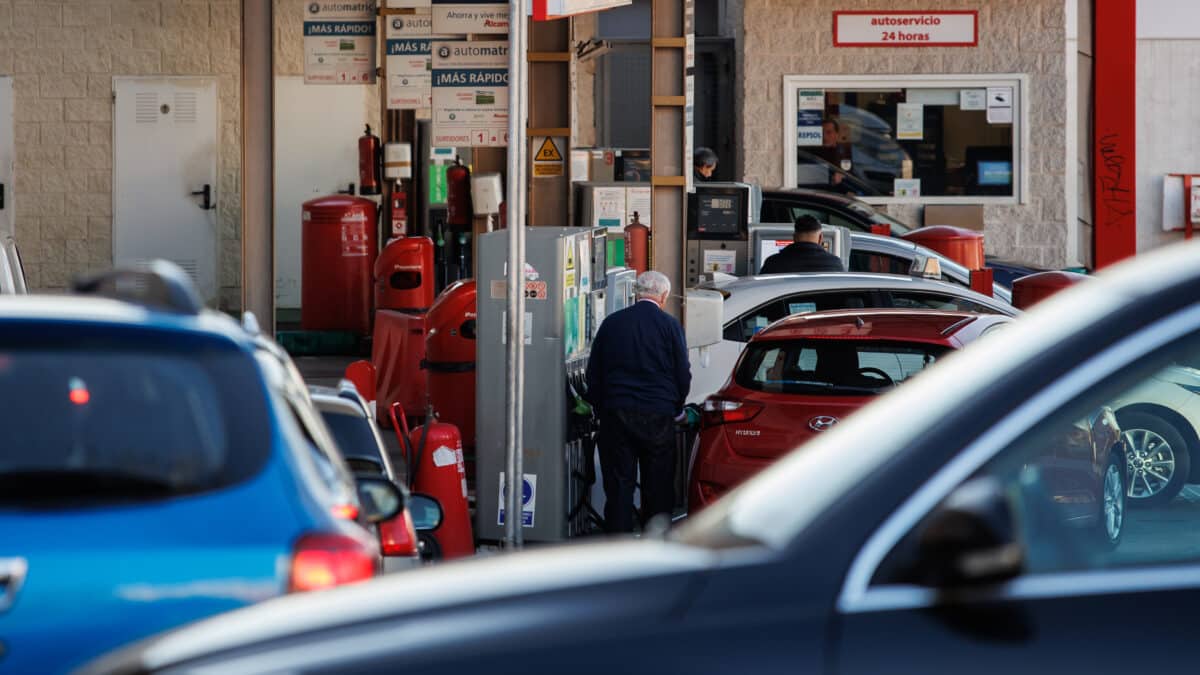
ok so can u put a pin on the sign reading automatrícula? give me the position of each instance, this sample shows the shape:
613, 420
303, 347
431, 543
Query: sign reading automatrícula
470, 93
339, 42
454, 17
409, 79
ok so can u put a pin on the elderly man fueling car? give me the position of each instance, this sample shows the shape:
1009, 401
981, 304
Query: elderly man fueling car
638, 378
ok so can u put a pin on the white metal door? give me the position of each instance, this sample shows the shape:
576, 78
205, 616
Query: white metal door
165, 158
7, 207
316, 154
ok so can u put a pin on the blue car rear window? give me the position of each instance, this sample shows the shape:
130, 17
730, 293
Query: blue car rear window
95, 419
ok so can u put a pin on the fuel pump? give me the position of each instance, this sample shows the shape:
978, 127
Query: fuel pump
564, 282
370, 164
718, 229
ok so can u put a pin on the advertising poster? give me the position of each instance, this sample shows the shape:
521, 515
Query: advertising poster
339, 42
909, 188
720, 261
972, 99
810, 114
409, 78
465, 17
910, 121
470, 93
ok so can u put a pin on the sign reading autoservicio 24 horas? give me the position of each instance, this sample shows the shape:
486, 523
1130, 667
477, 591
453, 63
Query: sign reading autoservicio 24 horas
902, 28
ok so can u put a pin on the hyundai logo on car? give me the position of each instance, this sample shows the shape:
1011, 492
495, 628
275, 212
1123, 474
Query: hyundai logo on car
821, 422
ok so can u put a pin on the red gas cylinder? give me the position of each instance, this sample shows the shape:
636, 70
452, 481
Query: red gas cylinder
337, 255
637, 245
956, 243
1034, 288
404, 275
450, 358
438, 471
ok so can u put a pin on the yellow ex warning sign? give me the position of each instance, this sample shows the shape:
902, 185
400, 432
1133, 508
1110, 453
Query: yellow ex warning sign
548, 158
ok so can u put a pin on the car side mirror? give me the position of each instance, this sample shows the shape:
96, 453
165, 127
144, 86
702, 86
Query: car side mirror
426, 512
971, 539
379, 497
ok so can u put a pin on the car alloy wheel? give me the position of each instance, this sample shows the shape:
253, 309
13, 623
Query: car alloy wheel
1114, 502
1151, 463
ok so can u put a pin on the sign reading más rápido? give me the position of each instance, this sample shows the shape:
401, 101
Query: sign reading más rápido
409, 59
958, 28
339, 42
453, 17
470, 94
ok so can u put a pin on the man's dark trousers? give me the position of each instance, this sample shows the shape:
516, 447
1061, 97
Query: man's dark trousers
629, 438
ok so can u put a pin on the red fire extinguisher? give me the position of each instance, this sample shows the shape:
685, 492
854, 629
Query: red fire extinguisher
399, 211
458, 196
370, 163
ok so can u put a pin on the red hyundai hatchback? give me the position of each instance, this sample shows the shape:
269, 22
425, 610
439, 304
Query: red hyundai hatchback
802, 374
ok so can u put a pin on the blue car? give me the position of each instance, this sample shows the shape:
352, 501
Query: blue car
159, 463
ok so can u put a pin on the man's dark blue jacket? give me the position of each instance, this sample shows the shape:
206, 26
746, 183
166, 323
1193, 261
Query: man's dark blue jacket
639, 361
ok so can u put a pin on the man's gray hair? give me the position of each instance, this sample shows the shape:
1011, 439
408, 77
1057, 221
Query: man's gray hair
652, 284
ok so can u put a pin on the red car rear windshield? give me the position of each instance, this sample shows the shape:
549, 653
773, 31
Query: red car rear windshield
848, 367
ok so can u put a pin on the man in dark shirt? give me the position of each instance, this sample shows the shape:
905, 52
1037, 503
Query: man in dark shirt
805, 254
638, 378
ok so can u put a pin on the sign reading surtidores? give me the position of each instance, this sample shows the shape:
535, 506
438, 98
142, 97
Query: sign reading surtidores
470, 94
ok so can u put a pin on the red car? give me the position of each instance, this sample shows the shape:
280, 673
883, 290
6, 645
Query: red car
803, 374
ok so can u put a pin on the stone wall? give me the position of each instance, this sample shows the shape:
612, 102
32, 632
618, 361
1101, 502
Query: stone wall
794, 37
63, 57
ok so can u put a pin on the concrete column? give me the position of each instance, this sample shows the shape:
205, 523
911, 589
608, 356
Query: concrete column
258, 171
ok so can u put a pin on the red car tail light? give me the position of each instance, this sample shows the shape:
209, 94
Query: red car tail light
327, 560
728, 411
397, 536
345, 511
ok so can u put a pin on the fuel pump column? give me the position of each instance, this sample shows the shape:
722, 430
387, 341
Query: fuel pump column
564, 281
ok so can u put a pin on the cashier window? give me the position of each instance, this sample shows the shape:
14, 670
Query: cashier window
930, 138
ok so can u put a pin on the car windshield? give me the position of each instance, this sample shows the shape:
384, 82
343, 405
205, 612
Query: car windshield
834, 367
355, 440
898, 228
119, 422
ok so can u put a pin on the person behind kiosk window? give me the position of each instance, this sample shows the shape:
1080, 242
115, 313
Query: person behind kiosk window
638, 378
805, 253
704, 163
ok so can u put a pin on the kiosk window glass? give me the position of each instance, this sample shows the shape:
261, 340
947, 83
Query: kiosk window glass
928, 138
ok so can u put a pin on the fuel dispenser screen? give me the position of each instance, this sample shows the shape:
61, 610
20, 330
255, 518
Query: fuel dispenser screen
718, 214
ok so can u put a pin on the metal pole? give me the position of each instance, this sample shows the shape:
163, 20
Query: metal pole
515, 198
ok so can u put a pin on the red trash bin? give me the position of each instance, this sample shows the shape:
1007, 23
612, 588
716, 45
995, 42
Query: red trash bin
338, 247
959, 244
450, 359
404, 275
